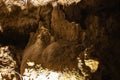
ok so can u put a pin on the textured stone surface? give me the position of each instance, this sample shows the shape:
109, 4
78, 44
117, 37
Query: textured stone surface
90, 27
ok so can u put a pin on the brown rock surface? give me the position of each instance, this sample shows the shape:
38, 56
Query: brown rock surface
69, 31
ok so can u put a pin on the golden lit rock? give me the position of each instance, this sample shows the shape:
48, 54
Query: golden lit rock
92, 64
30, 63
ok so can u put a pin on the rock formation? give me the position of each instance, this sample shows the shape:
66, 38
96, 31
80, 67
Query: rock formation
34, 51
73, 31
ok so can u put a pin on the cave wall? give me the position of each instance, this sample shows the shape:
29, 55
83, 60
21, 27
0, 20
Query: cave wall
76, 27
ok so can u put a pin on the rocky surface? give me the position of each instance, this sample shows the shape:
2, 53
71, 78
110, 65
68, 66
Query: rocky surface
55, 35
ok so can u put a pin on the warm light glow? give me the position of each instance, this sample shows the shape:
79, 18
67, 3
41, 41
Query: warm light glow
30, 63
38, 73
93, 64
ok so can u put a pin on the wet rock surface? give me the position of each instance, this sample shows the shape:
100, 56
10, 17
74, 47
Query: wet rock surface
55, 36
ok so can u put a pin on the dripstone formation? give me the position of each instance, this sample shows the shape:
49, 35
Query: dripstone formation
55, 35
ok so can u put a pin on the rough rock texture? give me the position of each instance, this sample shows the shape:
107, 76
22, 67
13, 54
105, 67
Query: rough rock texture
62, 28
36, 49
89, 24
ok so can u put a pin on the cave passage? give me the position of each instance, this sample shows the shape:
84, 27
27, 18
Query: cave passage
59, 40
